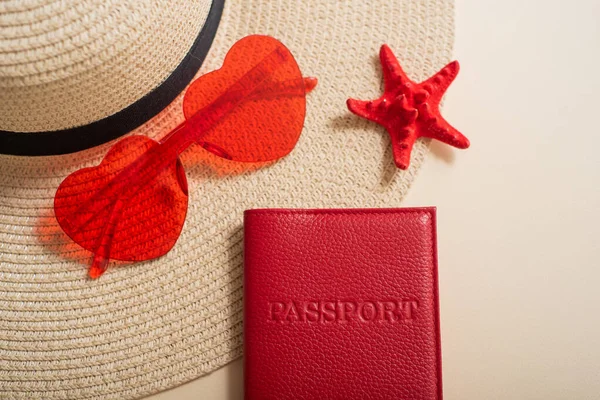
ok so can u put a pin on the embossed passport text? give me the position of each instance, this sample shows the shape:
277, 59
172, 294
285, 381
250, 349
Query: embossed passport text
341, 304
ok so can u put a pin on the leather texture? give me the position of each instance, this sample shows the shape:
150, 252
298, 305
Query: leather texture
341, 304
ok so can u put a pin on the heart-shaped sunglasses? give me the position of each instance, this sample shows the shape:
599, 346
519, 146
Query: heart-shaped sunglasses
133, 205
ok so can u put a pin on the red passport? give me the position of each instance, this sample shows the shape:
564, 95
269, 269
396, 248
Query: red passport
341, 304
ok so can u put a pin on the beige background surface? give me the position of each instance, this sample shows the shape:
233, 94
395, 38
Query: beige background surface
518, 213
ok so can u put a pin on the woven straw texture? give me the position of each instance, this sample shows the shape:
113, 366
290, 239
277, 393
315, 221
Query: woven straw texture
149, 326
58, 58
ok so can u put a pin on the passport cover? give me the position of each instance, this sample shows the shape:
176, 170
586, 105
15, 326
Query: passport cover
341, 304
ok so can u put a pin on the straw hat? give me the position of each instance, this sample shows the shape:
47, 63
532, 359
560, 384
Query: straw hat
75, 74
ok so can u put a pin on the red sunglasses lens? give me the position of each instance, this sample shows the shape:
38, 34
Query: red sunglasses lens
92, 208
266, 125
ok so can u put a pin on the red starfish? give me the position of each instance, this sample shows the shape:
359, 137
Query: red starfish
410, 110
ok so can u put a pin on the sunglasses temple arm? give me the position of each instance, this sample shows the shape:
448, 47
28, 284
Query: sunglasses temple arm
102, 253
295, 87
310, 82
290, 88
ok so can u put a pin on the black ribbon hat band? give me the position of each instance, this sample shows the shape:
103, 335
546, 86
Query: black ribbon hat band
84, 137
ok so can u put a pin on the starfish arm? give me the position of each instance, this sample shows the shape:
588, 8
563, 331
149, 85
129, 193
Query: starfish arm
361, 108
403, 140
437, 85
393, 74
444, 132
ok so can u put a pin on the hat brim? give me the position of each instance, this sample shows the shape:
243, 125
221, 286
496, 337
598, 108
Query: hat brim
149, 326
64, 141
